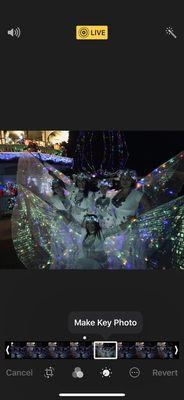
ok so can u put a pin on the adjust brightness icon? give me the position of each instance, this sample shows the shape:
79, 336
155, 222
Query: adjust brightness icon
106, 372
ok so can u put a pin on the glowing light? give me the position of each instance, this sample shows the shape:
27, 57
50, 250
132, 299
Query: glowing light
6, 156
12, 137
144, 240
58, 137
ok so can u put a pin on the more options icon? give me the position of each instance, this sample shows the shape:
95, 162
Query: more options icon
134, 372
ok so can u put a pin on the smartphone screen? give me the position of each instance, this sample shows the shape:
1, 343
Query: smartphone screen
91, 200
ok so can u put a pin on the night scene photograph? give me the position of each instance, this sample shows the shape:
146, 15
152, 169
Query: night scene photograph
91, 200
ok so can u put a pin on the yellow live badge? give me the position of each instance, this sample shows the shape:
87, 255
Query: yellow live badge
92, 32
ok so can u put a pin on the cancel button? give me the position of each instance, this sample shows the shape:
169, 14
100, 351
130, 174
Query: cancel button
165, 373
19, 373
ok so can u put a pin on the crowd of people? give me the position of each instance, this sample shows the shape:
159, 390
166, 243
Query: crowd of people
101, 220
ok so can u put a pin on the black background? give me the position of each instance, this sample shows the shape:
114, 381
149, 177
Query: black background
133, 81
36, 305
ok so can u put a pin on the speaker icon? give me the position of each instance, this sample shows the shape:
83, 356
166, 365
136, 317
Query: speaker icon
14, 32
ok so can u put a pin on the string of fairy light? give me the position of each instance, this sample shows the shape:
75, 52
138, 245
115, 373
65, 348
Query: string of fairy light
151, 238
9, 156
114, 151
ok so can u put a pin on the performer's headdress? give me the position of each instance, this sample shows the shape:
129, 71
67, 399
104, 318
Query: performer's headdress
91, 218
52, 343
82, 177
127, 172
105, 183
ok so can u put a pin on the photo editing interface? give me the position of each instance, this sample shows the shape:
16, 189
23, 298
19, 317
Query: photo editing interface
92, 248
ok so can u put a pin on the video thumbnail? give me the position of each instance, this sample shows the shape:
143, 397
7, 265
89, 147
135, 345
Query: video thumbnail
92, 350
93, 202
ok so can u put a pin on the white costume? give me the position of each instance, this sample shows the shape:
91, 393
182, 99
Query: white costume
129, 207
59, 203
43, 240
80, 205
92, 255
105, 211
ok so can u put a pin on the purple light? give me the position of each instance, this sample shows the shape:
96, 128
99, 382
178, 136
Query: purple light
7, 156
128, 265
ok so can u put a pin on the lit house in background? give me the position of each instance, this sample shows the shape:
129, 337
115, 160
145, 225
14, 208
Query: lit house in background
42, 138
50, 146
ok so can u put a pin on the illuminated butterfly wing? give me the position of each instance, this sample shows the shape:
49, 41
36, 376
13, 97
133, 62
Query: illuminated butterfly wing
41, 238
32, 174
37, 176
156, 239
58, 174
165, 182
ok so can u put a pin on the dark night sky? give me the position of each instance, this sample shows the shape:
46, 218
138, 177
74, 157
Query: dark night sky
146, 150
